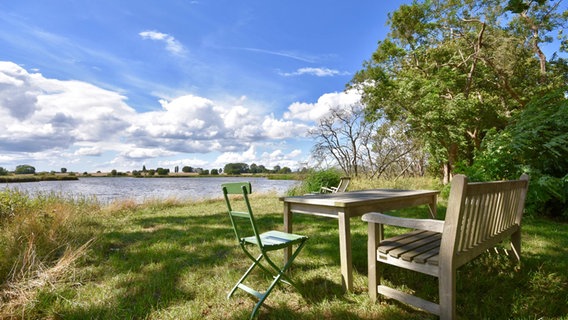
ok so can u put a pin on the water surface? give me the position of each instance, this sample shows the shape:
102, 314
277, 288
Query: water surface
107, 189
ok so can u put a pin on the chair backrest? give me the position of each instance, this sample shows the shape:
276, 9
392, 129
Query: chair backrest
343, 184
480, 215
244, 189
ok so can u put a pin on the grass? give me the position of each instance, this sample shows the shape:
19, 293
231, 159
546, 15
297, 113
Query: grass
36, 177
169, 260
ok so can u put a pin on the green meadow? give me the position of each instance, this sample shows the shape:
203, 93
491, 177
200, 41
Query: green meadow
63, 258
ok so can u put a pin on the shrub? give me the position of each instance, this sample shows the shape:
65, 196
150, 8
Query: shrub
535, 142
317, 179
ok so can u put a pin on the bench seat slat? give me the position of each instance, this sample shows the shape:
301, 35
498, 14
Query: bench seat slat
392, 243
424, 249
414, 244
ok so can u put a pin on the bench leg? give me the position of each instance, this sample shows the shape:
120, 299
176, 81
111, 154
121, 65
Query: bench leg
373, 239
447, 291
516, 244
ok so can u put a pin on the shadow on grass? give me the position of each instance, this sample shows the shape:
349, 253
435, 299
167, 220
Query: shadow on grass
494, 285
149, 260
161, 261
318, 289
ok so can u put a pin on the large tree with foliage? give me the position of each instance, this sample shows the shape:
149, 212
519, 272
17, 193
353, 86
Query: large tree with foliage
25, 169
453, 70
236, 168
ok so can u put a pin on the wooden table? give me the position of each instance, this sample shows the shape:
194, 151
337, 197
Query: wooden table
346, 205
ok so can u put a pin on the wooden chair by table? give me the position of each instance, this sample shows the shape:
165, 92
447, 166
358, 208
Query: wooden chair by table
479, 216
265, 242
343, 184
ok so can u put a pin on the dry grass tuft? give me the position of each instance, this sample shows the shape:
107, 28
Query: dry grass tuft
32, 274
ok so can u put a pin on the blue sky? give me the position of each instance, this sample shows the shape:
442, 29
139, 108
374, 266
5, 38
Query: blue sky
102, 85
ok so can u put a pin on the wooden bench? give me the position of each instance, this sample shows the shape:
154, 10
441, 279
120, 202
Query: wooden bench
479, 216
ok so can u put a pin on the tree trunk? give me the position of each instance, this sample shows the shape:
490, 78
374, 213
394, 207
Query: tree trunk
447, 171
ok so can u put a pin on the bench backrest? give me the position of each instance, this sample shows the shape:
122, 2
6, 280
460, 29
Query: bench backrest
479, 216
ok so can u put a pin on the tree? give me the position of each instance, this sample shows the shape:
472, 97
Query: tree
395, 153
162, 171
454, 70
285, 170
24, 169
187, 169
254, 168
214, 172
236, 168
113, 172
342, 138
63, 170
3, 172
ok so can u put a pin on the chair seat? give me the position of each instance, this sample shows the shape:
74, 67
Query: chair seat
273, 240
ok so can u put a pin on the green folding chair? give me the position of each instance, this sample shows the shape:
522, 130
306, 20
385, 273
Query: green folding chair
265, 242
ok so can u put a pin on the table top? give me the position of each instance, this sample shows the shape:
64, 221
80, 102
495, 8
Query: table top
360, 197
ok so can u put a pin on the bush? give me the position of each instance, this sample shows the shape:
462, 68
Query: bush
317, 179
536, 143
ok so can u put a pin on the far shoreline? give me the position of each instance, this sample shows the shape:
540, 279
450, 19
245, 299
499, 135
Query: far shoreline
21, 178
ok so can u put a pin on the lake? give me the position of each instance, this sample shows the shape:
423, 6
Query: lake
107, 189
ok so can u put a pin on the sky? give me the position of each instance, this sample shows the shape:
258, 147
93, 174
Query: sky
101, 85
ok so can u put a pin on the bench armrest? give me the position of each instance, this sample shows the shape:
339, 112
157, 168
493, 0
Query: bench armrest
421, 224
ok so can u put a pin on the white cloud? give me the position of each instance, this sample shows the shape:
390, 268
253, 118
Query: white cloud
315, 111
279, 129
39, 114
236, 157
192, 162
144, 153
48, 120
281, 158
92, 151
318, 72
286, 54
172, 45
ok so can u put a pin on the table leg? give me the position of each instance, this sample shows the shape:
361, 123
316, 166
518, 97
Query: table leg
433, 206
345, 251
287, 228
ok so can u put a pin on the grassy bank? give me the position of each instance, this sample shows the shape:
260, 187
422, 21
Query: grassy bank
73, 259
36, 178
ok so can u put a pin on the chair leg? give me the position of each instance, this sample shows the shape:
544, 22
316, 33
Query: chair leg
282, 271
265, 295
254, 264
280, 276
